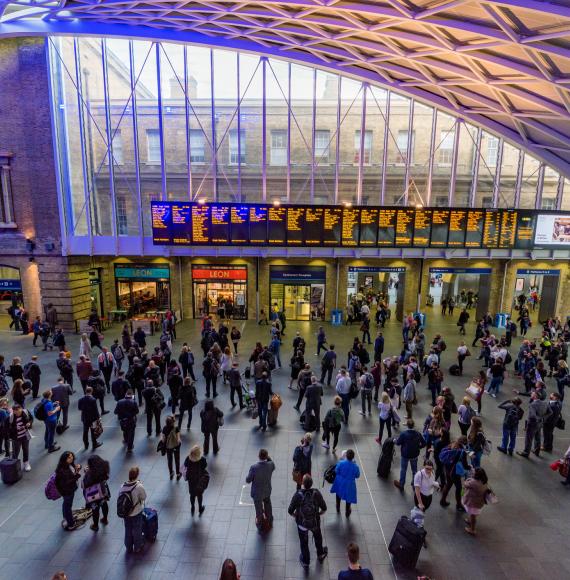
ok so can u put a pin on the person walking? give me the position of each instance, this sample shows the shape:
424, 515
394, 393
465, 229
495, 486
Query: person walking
462, 354
384, 416
127, 411
551, 422
477, 441
303, 381
133, 520
19, 425
50, 412
462, 321
511, 420
19, 392
83, 368
97, 385
174, 381
344, 485
464, 415
153, 405
313, 397
328, 364
409, 396
211, 418
424, 486
188, 400
67, 473
210, 372
32, 373
229, 570
120, 386
451, 457
343, 387
60, 394
321, 340
106, 363
234, 378
186, 360
366, 386
263, 392
302, 462
170, 439
475, 498
87, 405
332, 424
411, 443
435, 378
355, 570
235, 336
196, 473
97, 473
259, 476
538, 412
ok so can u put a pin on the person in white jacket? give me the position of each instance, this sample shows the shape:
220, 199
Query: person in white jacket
134, 539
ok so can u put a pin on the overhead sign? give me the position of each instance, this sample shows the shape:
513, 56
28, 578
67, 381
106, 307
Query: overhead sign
298, 274
207, 272
460, 270
142, 272
12, 285
530, 271
372, 269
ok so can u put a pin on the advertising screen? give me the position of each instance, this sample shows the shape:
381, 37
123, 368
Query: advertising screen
552, 230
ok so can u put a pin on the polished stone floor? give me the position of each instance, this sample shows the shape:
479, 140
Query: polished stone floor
524, 536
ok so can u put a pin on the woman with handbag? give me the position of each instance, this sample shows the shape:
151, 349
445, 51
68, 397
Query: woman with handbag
197, 476
170, 438
477, 494
302, 463
96, 489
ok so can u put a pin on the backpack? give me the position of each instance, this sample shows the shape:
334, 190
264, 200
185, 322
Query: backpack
369, 382
172, 439
40, 411
357, 365
417, 374
27, 368
508, 358
442, 345
307, 512
512, 418
157, 400
330, 474
125, 504
50, 488
448, 456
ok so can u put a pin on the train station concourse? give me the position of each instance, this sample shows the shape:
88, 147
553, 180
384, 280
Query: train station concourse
353, 216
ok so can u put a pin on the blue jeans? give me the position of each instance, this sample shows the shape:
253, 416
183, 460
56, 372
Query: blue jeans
476, 459
262, 409
66, 509
509, 438
494, 385
49, 435
134, 539
404, 468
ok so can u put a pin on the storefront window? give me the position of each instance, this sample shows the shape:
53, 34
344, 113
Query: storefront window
142, 289
220, 290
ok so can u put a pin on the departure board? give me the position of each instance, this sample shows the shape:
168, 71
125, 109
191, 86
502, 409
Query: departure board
183, 223
457, 221
350, 226
220, 224
439, 228
386, 227
277, 225
295, 223
368, 227
404, 227
332, 226
200, 226
258, 225
313, 226
422, 228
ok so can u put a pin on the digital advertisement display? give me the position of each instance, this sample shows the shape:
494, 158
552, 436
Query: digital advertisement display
184, 223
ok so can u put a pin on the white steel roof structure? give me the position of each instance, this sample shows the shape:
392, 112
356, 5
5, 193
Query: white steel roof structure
503, 64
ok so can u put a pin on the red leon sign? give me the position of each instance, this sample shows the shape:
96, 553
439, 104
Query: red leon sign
219, 274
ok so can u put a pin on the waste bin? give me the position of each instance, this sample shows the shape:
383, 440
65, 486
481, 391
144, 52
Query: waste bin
336, 317
422, 318
500, 320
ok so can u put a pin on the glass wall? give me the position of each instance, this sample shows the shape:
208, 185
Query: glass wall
138, 121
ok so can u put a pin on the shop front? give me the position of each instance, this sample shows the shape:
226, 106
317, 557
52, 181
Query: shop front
298, 291
141, 289
538, 290
10, 293
96, 291
220, 290
468, 287
377, 284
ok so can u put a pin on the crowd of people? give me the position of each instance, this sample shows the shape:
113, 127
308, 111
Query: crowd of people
156, 382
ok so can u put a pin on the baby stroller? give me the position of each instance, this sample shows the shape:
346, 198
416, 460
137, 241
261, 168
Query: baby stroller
248, 396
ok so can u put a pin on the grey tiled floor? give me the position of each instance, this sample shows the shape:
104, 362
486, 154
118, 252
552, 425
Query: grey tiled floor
524, 536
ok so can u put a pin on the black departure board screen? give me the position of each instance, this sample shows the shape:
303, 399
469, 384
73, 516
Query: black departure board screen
183, 223
350, 226
295, 225
258, 225
332, 226
439, 228
220, 224
368, 227
314, 226
422, 228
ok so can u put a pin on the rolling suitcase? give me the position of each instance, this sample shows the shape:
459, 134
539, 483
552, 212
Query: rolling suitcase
150, 524
454, 370
385, 460
407, 542
11, 470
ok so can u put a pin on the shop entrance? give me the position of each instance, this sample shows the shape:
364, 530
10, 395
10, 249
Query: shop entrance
10, 294
95, 291
468, 287
220, 290
377, 284
538, 291
298, 291
142, 290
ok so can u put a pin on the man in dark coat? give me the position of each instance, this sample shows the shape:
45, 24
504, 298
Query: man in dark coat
313, 396
234, 377
259, 476
127, 411
89, 414
263, 392
32, 372
97, 385
152, 407
65, 369
61, 393
120, 386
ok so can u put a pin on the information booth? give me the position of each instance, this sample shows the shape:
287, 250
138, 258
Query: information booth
220, 290
142, 289
298, 291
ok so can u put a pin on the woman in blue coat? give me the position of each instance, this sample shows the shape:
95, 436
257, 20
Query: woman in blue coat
347, 472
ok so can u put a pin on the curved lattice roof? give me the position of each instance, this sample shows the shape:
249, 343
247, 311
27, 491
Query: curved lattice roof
504, 64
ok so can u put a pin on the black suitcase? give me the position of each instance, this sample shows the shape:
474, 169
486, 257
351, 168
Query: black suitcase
407, 542
386, 457
150, 524
454, 370
11, 470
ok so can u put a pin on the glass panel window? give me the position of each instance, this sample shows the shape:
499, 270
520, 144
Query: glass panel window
529, 182
492, 150
447, 139
118, 147
197, 153
235, 155
548, 203
367, 149
278, 147
402, 146
487, 162
6, 213
153, 145
322, 142
122, 222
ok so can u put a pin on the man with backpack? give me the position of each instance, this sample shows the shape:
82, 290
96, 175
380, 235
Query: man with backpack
61, 393
263, 392
47, 412
127, 411
106, 363
65, 369
303, 380
32, 373
97, 385
307, 506
366, 385
118, 354
154, 403
328, 364
89, 414
130, 505
411, 442
211, 370
513, 415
